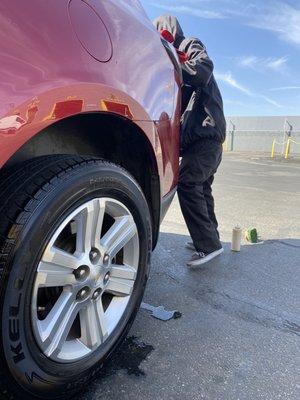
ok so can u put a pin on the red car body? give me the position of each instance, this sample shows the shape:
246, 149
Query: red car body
64, 61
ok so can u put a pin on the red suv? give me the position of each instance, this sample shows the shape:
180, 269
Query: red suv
89, 126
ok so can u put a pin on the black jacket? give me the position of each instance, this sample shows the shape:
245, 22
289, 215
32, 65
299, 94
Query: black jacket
202, 104
203, 115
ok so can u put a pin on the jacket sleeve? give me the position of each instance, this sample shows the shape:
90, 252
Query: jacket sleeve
198, 70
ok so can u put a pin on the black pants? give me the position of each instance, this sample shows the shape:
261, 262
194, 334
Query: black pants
199, 164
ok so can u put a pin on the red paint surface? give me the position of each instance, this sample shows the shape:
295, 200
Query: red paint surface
47, 74
82, 15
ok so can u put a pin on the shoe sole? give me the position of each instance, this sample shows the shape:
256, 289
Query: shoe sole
208, 258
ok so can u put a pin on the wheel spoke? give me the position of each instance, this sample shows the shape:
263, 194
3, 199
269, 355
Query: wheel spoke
55, 328
51, 275
122, 231
93, 325
89, 225
60, 258
123, 271
119, 286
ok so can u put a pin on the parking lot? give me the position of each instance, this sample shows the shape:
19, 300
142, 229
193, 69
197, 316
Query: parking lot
238, 337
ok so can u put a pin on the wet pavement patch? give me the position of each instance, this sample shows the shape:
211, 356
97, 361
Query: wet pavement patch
129, 357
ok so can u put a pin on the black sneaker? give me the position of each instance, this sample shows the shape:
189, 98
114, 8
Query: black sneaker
202, 258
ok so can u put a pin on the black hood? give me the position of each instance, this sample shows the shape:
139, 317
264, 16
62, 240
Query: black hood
171, 24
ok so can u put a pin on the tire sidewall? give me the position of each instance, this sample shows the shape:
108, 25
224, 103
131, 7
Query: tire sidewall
32, 370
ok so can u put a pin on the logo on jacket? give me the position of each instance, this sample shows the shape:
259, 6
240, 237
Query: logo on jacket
209, 121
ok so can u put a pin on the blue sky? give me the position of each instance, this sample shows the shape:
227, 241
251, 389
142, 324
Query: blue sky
255, 46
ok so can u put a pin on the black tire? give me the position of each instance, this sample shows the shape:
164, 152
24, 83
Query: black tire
34, 198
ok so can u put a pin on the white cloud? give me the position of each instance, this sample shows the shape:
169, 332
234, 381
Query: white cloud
231, 81
276, 64
264, 64
249, 61
278, 17
194, 11
270, 101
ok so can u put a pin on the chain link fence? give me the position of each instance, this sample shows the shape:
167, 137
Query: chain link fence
242, 135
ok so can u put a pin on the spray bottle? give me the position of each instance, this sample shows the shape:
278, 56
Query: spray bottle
236, 238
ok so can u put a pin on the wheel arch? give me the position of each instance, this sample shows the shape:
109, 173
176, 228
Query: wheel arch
106, 135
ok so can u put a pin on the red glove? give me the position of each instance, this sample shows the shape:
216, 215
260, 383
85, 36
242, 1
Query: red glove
167, 35
183, 57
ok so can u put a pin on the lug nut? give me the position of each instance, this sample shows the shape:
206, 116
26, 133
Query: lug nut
83, 293
81, 272
94, 256
106, 259
106, 278
96, 294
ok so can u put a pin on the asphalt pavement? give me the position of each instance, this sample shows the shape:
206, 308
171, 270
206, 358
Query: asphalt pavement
238, 337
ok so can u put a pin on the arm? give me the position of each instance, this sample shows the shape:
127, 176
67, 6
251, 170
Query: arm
198, 69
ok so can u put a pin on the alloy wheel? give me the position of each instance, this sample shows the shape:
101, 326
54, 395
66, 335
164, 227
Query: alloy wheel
85, 279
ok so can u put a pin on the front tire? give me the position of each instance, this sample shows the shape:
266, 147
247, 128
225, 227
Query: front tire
70, 228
